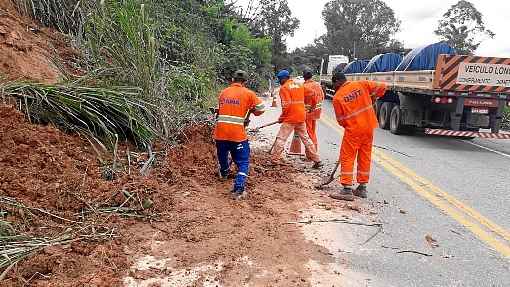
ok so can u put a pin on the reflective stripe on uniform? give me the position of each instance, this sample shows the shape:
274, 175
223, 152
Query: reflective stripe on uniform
317, 107
242, 174
260, 107
287, 103
231, 120
354, 113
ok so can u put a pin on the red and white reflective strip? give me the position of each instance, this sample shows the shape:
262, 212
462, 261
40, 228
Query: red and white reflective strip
450, 133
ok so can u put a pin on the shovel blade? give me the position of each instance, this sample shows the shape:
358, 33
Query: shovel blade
324, 182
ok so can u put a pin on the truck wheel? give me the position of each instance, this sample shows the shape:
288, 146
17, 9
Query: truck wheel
384, 115
396, 126
378, 105
494, 124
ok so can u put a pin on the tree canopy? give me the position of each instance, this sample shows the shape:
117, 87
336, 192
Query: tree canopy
463, 27
272, 19
359, 28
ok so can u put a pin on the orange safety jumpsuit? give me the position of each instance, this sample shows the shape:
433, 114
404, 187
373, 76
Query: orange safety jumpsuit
355, 112
314, 96
293, 118
235, 102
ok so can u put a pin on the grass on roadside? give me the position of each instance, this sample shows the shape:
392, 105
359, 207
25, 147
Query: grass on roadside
102, 115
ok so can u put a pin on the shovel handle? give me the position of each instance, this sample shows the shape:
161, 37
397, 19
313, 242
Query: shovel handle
331, 177
267, 125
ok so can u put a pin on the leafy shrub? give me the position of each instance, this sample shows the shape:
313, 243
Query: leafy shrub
506, 119
177, 53
104, 115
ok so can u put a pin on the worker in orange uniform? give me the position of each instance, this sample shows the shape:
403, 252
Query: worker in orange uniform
236, 104
292, 118
354, 109
314, 96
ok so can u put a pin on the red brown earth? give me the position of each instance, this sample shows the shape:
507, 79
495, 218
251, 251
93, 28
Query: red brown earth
29, 51
195, 221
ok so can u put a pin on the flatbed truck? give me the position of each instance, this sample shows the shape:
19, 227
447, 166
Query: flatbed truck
463, 95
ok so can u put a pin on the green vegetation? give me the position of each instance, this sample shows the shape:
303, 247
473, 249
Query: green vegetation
506, 119
66, 16
176, 54
462, 26
103, 115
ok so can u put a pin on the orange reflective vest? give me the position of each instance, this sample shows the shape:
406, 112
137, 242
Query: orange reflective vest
314, 96
235, 102
292, 96
353, 105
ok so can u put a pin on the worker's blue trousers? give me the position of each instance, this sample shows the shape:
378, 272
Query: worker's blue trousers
240, 153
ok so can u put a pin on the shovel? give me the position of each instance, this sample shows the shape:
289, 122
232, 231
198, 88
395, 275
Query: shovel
329, 179
257, 129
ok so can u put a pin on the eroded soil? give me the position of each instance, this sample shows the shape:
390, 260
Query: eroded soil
192, 233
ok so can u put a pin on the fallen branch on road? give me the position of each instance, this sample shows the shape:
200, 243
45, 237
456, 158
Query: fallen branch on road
335, 220
415, 252
15, 248
13, 202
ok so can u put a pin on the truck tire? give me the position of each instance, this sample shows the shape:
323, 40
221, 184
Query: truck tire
495, 124
384, 115
396, 126
378, 105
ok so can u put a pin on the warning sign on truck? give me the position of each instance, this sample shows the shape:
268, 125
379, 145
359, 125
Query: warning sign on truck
484, 74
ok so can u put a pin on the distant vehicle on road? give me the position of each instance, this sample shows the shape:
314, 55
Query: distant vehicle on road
435, 90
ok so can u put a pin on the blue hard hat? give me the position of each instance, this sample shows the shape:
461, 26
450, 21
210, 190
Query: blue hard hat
283, 74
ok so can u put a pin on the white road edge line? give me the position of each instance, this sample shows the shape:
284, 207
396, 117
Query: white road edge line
488, 149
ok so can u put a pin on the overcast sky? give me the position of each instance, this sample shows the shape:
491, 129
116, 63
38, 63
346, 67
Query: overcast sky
419, 20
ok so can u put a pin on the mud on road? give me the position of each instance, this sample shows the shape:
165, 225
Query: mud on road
192, 233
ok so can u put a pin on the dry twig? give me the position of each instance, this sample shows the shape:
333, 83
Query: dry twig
415, 252
335, 220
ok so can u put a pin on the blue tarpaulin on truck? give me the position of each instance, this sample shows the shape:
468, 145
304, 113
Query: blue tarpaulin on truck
424, 58
355, 67
383, 63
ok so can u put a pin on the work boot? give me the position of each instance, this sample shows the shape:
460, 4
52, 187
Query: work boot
317, 165
238, 193
225, 175
344, 194
361, 191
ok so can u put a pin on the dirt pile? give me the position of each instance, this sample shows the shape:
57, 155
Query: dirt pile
28, 51
191, 221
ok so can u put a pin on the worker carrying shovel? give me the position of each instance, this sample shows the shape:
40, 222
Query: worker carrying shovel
236, 104
354, 110
293, 118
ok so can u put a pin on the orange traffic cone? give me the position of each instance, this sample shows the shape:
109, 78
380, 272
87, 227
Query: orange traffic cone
274, 104
295, 146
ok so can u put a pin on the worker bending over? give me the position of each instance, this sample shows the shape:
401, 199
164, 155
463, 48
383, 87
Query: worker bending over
314, 96
236, 104
292, 118
354, 109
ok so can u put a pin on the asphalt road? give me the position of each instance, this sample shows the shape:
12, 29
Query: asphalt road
455, 191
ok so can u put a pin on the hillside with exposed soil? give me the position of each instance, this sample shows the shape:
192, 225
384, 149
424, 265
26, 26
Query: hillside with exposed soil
29, 51
143, 213
190, 221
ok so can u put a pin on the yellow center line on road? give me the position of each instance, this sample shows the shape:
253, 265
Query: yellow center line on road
479, 225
